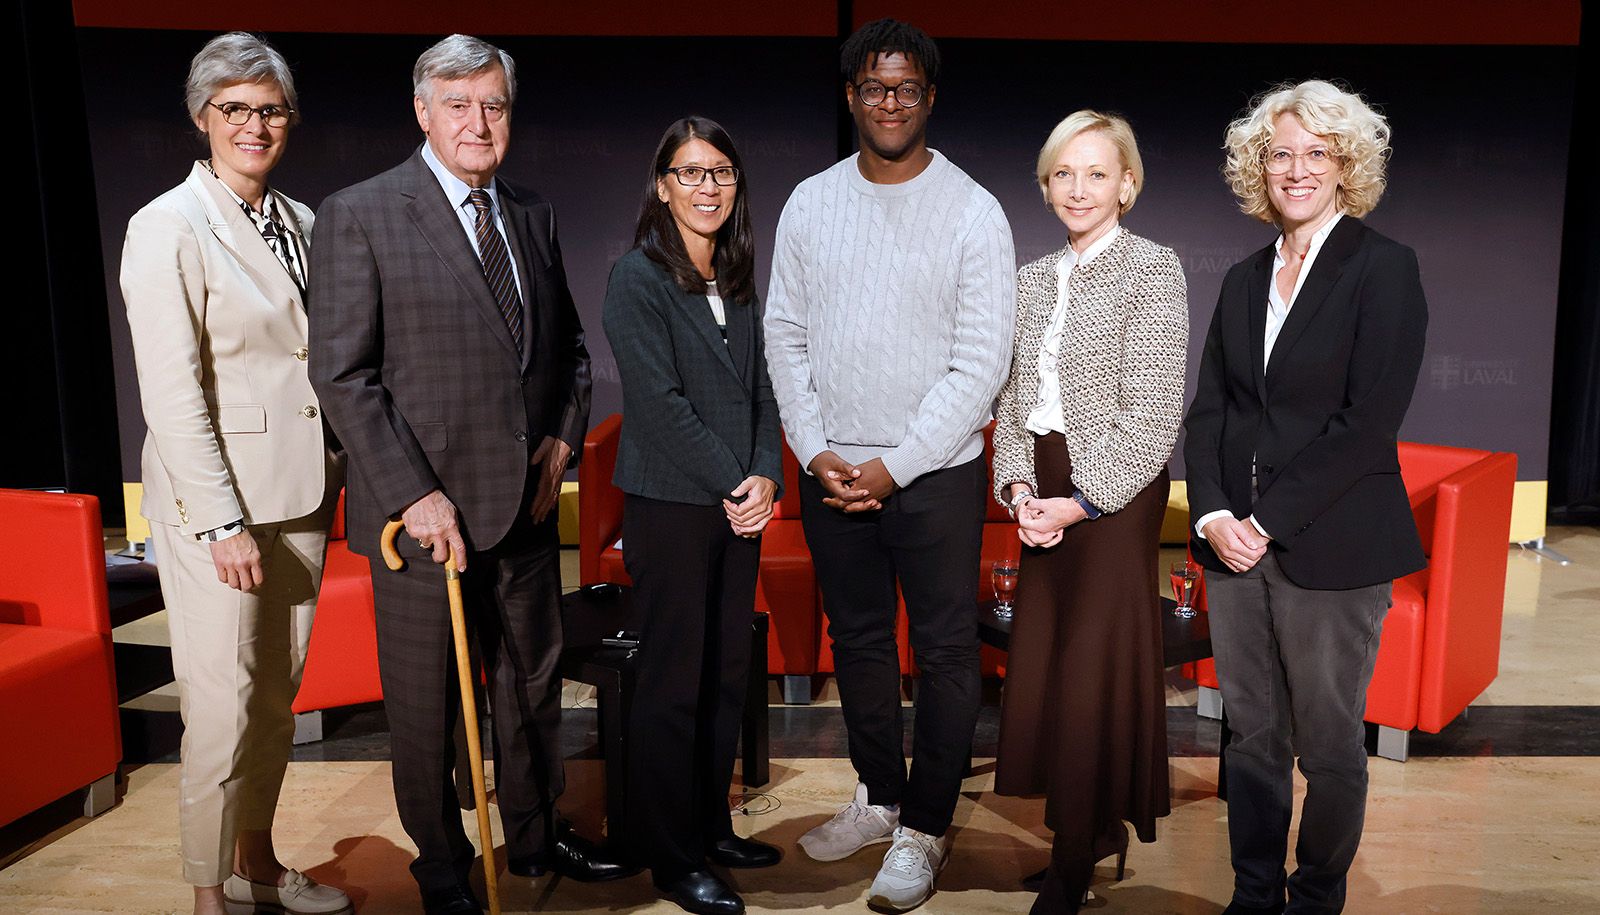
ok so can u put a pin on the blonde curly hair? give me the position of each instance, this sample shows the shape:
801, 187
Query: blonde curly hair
1357, 135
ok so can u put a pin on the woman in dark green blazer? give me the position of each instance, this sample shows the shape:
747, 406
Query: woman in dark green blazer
700, 463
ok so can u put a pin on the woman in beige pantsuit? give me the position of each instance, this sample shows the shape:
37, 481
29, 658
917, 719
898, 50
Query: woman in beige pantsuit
239, 482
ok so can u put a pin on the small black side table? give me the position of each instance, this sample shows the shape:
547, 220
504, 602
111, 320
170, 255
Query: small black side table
1182, 641
134, 592
594, 612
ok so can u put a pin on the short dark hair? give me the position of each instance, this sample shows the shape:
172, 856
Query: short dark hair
887, 36
658, 235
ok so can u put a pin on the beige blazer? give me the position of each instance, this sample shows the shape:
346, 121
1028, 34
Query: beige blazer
219, 339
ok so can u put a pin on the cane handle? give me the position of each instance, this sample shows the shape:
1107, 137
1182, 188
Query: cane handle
391, 557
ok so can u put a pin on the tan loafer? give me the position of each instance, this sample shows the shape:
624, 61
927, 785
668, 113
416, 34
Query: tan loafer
299, 895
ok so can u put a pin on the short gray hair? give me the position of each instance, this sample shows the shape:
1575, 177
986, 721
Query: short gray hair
237, 57
459, 57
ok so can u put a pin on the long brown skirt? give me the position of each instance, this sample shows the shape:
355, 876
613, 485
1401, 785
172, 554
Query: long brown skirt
1084, 719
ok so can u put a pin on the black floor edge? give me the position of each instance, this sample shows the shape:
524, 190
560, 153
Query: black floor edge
361, 733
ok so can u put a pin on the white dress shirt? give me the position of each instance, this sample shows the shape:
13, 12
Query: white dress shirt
718, 312
1046, 416
459, 192
1277, 314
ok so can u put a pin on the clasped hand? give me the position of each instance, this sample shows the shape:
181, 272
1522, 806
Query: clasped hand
1042, 522
749, 517
1237, 543
852, 488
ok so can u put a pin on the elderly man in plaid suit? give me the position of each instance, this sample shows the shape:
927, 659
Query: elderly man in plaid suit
448, 355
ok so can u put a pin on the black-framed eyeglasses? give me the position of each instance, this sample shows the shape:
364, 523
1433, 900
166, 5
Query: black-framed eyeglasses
872, 93
238, 113
695, 175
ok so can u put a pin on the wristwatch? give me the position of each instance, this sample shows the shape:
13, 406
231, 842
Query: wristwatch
1016, 501
221, 533
1089, 511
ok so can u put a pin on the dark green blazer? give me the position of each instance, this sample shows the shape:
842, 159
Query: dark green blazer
697, 412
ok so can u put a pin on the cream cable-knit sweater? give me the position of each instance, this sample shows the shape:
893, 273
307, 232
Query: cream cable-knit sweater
1122, 366
889, 317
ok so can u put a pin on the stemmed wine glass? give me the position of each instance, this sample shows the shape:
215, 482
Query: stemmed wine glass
1184, 575
1003, 575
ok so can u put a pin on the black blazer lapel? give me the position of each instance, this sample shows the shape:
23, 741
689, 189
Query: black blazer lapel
1256, 308
1336, 251
436, 220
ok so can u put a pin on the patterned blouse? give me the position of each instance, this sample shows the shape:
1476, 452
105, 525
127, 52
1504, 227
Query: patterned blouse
1121, 370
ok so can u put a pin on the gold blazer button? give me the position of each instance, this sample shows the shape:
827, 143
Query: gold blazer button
309, 412
302, 353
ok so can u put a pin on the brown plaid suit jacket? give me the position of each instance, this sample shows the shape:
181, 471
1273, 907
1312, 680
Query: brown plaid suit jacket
413, 362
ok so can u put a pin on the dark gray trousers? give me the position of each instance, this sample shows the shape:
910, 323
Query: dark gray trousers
512, 594
1294, 664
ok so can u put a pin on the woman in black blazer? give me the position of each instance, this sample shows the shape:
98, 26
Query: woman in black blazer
1302, 519
701, 465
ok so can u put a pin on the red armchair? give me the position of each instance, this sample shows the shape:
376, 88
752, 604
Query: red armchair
342, 665
786, 588
1441, 640
58, 685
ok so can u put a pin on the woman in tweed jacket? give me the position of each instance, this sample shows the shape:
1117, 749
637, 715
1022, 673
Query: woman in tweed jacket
1085, 426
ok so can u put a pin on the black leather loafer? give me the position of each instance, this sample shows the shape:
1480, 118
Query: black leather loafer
736, 852
1239, 908
703, 893
575, 857
455, 900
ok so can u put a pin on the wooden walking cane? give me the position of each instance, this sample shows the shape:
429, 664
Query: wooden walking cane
469, 703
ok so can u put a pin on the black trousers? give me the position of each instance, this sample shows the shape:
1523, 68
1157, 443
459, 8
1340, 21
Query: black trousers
694, 583
927, 538
1294, 664
512, 594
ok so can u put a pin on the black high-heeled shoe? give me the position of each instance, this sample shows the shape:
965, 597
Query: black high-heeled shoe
1033, 881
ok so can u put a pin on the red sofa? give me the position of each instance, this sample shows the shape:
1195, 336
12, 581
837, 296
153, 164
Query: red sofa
58, 684
798, 642
1441, 640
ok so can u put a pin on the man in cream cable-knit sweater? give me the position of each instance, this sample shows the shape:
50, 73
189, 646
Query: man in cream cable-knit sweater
888, 336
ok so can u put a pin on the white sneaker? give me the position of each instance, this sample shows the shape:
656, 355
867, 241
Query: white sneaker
856, 825
906, 879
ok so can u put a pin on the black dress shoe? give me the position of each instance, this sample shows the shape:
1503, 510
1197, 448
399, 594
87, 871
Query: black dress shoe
1239, 908
703, 893
455, 900
736, 852
573, 856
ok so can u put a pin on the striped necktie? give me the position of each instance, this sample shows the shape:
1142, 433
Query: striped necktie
496, 259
